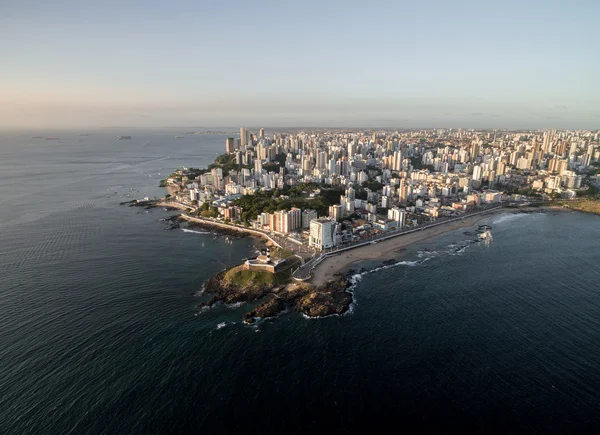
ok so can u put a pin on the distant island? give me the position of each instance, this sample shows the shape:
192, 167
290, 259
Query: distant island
325, 199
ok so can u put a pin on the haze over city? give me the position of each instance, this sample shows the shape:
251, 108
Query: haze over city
339, 63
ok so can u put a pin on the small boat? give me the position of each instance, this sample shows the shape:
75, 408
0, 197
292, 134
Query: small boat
124, 137
53, 138
179, 137
37, 137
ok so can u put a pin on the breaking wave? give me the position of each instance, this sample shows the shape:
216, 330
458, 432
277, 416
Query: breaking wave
509, 217
185, 230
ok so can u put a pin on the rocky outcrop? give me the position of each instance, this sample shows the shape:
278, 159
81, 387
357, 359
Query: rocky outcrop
330, 298
231, 293
270, 308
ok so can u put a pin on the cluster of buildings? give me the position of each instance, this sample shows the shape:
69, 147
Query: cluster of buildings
391, 178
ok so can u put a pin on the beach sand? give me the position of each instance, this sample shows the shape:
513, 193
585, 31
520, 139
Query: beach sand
385, 249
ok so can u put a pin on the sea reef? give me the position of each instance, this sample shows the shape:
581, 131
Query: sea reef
276, 294
330, 298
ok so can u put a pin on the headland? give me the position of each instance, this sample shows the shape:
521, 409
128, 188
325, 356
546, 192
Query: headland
327, 200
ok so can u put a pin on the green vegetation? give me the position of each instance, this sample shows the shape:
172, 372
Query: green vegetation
207, 211
372, 185
522, 191
374, 170
277, 164
269, 202
281, 253
242, 277
225, 161
591, 205
245, 278
416, 164
591, 191
361, 194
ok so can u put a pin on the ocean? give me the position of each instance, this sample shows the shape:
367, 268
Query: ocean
99, 332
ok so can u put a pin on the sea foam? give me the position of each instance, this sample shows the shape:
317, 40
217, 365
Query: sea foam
185, 230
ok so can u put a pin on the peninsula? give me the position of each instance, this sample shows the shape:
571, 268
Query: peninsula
326, 199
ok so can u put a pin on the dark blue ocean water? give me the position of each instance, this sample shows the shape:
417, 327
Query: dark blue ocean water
98, 332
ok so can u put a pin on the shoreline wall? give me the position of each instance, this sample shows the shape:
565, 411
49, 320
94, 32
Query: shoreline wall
229, 227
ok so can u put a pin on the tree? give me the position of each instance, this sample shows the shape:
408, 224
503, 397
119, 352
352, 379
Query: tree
372, 185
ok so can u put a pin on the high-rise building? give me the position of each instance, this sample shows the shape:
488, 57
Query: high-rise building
397, 215
261, 133
336, 212
397, 161
229, 145
243, 137
294, 219
351, 194
322, 233
474, 150
307, 216
321, 160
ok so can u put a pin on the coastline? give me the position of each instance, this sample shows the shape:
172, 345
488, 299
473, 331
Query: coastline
242, 231
338, 264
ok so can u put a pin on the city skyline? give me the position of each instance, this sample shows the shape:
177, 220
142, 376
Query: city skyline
339, 64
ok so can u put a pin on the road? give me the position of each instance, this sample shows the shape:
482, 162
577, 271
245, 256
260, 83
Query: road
304, 272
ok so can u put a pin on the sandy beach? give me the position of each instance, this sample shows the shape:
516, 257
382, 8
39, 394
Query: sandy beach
384, 250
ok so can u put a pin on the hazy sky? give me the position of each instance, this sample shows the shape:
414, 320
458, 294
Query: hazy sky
505, 63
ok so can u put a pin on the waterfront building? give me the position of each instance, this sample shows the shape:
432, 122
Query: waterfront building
322, 234
398, 215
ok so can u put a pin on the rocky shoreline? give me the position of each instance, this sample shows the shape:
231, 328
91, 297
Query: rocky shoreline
234, 233
328, 299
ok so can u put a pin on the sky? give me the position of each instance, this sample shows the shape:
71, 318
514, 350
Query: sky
327, 63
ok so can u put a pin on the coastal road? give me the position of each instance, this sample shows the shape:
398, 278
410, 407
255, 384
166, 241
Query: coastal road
304, 273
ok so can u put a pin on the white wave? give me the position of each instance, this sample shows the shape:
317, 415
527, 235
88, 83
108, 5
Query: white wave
234, 305
509, 217
356, 277
407, 263
185, 230
221, 325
